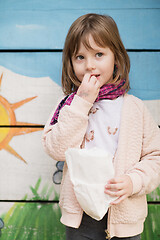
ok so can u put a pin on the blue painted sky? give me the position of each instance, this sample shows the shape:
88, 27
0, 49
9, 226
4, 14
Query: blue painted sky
44, 24
46, 29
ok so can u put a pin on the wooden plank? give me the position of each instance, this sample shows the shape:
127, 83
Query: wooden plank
31, 221
39, 29
144, 69
33, 64
19, 220
27, 100
71, 5
24, 164
38, 74
152, 224
29, 163
141, 75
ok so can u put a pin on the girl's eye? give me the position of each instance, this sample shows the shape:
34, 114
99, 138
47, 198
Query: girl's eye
99, 54
80, 57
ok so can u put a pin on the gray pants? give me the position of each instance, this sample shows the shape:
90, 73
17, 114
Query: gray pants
90, 229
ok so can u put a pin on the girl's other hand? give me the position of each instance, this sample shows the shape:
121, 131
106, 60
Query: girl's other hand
89, 88
120, 187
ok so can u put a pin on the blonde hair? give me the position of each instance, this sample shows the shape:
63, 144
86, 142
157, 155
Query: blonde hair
105, 33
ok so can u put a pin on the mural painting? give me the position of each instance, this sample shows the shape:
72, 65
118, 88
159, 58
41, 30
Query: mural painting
33, 220
38, 218
36, 214
31, 43
8, 118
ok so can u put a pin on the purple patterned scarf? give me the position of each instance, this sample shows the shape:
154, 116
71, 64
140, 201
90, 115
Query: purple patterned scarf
108, 91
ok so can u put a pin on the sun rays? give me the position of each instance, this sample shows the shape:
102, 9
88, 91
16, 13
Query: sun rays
10, 127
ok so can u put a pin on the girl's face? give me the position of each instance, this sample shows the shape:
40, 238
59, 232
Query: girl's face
97, 62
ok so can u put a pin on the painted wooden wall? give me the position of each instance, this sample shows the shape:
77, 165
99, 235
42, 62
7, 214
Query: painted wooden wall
32, 35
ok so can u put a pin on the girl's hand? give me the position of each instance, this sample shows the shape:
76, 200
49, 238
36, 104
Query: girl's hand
89, 88
120, 187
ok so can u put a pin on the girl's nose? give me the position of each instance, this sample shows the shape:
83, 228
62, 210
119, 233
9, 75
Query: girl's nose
90, 64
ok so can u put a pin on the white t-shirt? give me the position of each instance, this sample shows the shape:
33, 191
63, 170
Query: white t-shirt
103, 125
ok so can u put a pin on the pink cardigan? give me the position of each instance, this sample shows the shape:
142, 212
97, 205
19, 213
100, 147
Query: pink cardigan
138, 155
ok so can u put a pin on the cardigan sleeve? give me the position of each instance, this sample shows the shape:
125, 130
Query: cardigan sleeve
69, 131
145, 174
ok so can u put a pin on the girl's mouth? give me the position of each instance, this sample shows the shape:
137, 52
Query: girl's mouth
96, 75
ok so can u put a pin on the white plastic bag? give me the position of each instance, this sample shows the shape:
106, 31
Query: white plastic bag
89, 170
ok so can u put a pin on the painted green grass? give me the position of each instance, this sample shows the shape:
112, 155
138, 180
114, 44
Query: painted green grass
41, 221
152, 224
34, 220
155, 195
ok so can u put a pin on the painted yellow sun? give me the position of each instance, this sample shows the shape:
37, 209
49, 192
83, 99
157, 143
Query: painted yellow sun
10, 127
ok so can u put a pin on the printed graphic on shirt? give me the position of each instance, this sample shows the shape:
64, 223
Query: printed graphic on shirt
103, 125
111, 130
93, 110
90, 136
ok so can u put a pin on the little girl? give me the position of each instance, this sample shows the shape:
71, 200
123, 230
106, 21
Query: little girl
98, 112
